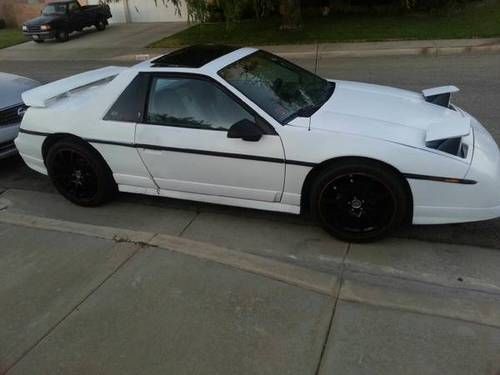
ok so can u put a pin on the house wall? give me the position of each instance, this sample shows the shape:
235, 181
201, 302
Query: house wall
144, 11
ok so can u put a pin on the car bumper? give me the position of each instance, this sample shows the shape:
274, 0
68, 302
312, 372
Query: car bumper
458, 203
42, 35
7, 135
30, 149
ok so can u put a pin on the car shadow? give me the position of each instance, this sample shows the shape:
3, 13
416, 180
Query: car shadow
15, 174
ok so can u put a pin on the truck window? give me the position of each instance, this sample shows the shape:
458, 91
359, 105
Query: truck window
53, 9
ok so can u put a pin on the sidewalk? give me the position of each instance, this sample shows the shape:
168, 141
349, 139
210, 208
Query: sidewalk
128, 289
361, 49
120, 44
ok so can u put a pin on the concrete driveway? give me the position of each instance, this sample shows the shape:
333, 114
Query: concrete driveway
116, 40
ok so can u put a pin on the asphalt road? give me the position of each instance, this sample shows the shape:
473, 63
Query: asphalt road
478, 76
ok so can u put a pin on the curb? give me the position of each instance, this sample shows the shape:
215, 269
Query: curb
429, 50
321, 50
376, 290
468, 306
301, 277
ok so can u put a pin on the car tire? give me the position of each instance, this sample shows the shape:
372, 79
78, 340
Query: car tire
62, 36
100, 25
79, 173
359, 200
38, 40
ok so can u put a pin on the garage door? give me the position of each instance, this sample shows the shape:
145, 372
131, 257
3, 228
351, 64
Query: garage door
144, 11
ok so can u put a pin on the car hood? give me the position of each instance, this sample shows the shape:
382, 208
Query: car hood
11, 88
42, 20
388, 113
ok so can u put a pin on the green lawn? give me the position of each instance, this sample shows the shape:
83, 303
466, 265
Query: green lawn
480, 20
9, 37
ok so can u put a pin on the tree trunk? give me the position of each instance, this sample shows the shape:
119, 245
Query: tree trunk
291, 14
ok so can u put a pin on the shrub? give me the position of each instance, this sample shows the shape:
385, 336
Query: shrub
2, 24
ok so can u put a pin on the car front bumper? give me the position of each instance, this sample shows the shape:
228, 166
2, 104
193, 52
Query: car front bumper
41, 35
458, 203
7, 135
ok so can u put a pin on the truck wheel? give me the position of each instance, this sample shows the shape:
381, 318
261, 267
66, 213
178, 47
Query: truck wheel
100, 25
62, 36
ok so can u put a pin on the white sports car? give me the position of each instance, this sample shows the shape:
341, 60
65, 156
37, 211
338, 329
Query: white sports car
242, 127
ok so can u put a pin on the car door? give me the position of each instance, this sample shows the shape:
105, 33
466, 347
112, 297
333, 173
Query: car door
76, 16
183, 140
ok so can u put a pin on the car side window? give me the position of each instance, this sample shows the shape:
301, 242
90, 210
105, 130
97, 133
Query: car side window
130, 104
192, 103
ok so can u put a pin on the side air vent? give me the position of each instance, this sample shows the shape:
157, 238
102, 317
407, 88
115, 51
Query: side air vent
453, 146
440, 95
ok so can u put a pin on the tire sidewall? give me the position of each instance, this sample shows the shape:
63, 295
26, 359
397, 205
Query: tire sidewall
106, 186
62, 35
384, 175
100, 25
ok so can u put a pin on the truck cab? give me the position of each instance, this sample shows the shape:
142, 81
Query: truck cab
60, 18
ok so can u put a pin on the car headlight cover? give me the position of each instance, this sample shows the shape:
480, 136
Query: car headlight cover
45, 27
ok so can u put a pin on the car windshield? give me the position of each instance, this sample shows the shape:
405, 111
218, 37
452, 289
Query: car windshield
282, 89
52, 9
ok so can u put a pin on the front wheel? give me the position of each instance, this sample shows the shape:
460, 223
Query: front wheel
360, 201
80, 174
62, 36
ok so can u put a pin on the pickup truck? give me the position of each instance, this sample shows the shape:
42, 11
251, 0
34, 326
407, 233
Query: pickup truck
60, 18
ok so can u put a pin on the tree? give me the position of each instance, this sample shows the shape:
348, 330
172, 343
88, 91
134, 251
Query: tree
290, 10
291, 14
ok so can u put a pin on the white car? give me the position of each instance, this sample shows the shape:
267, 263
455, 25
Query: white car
12, 110
242, 127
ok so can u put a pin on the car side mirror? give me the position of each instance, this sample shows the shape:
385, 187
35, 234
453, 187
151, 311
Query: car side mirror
246, 130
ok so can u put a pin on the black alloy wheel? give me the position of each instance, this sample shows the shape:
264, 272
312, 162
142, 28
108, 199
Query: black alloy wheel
80, 174
360, 203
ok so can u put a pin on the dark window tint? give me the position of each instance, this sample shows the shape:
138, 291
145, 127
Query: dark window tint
54, 9
192, 103
194, 56
279, 87
130, 104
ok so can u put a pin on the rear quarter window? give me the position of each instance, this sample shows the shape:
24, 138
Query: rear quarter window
130, 104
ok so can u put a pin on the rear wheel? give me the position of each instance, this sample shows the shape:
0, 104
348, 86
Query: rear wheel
80, 174
359, 201
100, 25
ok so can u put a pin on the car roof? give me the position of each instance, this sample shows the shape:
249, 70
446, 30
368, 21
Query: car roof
193, 56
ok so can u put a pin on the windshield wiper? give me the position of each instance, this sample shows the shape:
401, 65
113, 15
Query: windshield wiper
311, 109
308, 111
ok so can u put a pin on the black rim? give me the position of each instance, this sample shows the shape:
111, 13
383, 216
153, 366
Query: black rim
357, 203
74, 175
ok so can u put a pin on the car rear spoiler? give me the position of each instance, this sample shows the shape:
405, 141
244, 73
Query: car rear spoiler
440, 95
40, 96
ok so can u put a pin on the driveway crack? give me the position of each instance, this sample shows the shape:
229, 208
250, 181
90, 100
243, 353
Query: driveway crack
334, 309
